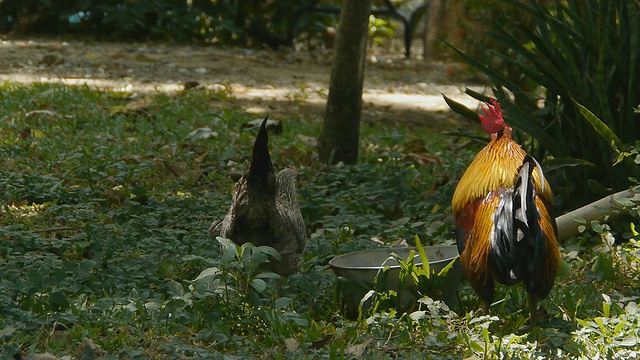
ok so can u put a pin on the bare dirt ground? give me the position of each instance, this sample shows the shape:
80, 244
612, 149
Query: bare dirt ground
282, 82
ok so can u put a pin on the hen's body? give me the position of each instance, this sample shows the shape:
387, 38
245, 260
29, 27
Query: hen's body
505, 228
265, 211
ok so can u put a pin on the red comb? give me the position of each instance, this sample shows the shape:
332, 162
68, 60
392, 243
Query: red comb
492, 121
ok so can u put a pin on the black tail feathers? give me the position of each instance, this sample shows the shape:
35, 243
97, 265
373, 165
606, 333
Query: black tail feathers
261, 165
517, 236
524, 194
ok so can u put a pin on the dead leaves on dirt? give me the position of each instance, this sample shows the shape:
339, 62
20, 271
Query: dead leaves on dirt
273, 126
354, 351
415, 151
29, 131
300, 153
136, 107
202, 133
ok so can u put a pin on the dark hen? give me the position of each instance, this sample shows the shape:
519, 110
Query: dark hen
264, 209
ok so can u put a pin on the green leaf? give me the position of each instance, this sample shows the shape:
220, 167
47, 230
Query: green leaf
476, 95
629, 341
364, 299
423, 257
597, 227
35, 277
485, 334
281, 303
601, 128
446, 269
268, 250
212, 271
139, 191
7, 331
631, 308
606, 308
268, 275
566, 162
459, 108
603, 265
579, 219
477, 347
175, 288
259, 284
584, 323
58, 301
625, 202
229, 249
621, 325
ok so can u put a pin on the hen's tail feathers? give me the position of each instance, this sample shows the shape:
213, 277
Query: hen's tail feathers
260, 167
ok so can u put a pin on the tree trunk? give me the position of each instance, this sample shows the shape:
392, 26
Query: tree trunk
339, 138
435, 15
26, 17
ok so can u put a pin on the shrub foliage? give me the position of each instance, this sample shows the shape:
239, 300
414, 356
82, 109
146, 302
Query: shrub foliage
222, 21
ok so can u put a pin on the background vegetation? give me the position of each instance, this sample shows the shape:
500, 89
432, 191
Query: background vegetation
103, 242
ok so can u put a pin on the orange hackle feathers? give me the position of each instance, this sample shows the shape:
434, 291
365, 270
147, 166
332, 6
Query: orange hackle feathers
493, 244
495, 166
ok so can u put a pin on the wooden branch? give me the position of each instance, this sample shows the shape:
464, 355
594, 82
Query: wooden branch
567, 226
59, 228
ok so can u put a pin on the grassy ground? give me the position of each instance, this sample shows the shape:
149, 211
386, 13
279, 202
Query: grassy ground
106, 200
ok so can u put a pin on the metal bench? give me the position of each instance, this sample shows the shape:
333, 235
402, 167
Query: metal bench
388, 8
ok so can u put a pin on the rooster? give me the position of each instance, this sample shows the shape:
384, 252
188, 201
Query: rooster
264, 209
503, 209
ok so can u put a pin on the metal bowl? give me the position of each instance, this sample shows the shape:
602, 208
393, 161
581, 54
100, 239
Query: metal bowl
357, 273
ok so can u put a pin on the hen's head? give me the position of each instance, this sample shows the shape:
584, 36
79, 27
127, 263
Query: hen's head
492, 121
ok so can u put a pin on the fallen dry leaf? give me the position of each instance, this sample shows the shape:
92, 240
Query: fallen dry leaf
191, 84
201, 133
319, 344
358, 349
424, 159
136, 107
173, 168
310, 141
294, 155
274, 126
201, 157
45, 356
291, 344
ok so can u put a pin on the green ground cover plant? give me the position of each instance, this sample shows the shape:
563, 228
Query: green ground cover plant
104, 250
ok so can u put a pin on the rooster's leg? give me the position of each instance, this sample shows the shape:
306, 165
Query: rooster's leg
485, 307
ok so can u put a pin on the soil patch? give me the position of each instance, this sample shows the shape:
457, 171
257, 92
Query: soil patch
282, 83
